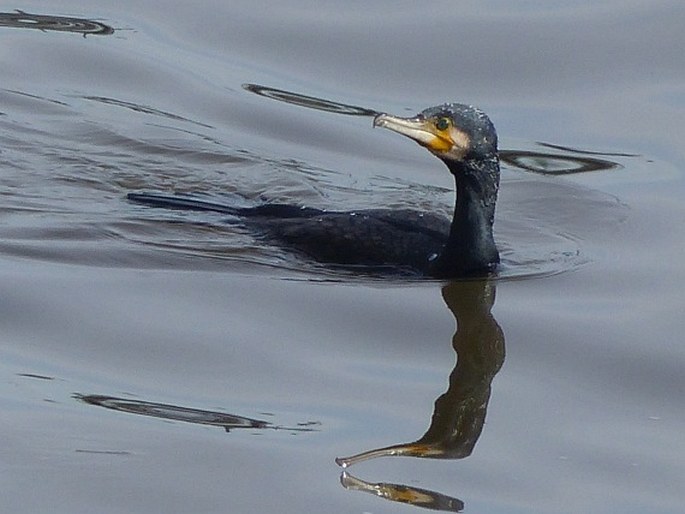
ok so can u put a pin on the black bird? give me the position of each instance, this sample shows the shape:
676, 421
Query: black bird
401, 240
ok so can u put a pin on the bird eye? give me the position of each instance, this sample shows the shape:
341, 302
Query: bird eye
442, 123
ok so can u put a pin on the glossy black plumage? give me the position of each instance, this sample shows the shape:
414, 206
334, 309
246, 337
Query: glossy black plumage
399, 240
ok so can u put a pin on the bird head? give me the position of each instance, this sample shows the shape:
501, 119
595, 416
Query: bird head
452, 132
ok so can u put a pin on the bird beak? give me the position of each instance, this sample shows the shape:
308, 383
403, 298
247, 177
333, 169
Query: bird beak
418, 128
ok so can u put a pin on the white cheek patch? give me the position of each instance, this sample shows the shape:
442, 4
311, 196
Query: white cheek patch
462, 142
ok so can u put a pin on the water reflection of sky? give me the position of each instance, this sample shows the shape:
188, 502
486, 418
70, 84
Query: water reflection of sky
104, 299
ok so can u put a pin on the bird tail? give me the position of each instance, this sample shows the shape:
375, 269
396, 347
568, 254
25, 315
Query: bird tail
266, 210
182, 202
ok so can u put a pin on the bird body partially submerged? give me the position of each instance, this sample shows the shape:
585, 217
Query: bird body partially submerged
397, 240
465, 139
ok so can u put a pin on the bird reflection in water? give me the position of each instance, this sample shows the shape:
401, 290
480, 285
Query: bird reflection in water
458, 417
459, 414
404, 494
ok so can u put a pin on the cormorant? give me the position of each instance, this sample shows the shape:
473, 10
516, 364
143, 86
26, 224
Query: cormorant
465, 139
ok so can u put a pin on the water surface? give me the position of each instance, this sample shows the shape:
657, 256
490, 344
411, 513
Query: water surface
169, 361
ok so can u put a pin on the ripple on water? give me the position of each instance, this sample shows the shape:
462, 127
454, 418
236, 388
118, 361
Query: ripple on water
547, 226
543, 227
23, 20
64, 205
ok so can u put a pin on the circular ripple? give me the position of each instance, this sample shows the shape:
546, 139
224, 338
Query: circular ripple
554, 164
23, 20
312, 102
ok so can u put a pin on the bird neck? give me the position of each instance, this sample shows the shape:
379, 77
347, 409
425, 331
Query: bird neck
470, 247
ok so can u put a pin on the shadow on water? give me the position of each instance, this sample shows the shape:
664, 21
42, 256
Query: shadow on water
458, 416
23, 20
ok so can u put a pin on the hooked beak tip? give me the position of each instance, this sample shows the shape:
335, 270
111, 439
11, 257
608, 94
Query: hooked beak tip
380, 120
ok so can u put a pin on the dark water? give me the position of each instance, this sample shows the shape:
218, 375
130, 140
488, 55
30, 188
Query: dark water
165, 361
